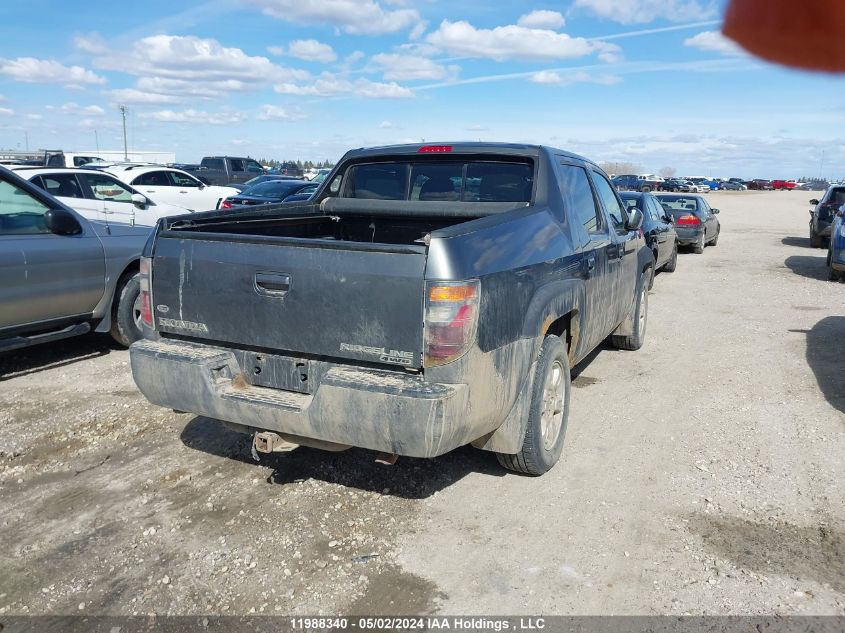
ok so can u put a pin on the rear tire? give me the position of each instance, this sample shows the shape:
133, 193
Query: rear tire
715, 240
698, 247
548, 415
126, 310
635, 340
672, 264
815, 240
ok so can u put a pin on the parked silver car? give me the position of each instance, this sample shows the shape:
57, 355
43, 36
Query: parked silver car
63, 275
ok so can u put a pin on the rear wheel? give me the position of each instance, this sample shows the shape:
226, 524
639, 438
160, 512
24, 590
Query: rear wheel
670, 266
815, 239
126, 310
715, 240
635, 340
548, 415
698, 247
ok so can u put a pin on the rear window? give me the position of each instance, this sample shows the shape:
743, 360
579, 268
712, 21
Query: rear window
443, 181
678, 205
837, 196
213, 163
273, 188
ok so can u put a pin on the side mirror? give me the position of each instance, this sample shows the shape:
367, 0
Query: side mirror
714, 211
635, 219
62, 222
814, 201
139, 200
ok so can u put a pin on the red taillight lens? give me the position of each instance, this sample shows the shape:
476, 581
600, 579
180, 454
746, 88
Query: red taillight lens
434, 149
146, 293
687, 220
226, 204
451, 320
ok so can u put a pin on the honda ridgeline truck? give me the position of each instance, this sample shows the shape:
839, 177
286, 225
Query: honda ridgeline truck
427, 297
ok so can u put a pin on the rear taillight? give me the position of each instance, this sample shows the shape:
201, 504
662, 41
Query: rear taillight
687, 220
146, 292
451, 320
434, 149
226, 204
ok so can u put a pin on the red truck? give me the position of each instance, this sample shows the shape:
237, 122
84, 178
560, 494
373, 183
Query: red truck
783, 184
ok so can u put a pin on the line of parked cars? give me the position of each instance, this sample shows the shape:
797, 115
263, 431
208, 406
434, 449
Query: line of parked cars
650, 182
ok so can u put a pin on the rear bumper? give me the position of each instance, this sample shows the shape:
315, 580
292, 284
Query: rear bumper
689, 236
379, 410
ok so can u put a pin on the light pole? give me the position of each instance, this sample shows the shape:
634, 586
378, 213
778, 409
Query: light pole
125, 148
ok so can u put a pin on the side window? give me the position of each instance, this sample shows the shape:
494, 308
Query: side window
213, 163
253, 167
60, 185
610, 202
237, 164
182, 180
153, 179
704, 207
652, 209
106, 188
20, 213
578, 202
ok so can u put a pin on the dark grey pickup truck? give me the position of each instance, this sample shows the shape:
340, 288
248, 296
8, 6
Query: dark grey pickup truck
427, 297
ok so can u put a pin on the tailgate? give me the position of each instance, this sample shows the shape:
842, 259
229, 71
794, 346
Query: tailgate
312, 297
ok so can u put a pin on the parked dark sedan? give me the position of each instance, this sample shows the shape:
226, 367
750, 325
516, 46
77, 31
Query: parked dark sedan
268, 192
760, 184
695, 221
660, 235
822, 216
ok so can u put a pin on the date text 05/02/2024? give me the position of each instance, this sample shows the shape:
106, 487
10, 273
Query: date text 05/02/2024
406, 623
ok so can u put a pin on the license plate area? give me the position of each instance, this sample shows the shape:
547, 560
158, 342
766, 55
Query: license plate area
277, 372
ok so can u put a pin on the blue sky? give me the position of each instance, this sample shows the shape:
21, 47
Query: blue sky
645, 81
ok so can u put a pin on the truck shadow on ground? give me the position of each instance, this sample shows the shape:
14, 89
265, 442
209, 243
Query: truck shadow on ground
807, 266
825, 357
808, 553
408, 478
803, 242
37, 358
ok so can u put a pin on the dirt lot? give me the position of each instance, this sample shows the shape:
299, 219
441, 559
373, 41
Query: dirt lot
701, 475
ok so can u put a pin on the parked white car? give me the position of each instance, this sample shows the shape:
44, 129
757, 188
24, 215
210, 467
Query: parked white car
173, 186
99, 196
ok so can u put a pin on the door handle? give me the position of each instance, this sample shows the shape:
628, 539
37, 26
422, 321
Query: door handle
272, 284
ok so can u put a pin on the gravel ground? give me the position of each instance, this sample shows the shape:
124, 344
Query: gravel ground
701, 475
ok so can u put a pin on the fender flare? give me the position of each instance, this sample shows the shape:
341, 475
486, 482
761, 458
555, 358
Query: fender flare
549, 303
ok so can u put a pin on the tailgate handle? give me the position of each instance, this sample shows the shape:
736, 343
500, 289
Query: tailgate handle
272, 284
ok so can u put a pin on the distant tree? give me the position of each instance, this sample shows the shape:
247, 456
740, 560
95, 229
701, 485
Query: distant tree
620, 167
668, 172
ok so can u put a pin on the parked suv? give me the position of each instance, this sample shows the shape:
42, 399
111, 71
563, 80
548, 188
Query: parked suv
426, 298
63, 275
822, 215
631, 182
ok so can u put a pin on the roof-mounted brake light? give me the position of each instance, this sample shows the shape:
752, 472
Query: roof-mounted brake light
434, 149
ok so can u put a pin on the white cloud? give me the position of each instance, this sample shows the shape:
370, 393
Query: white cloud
312, 51
514, 42
564, 78
133, 96
400, 67
74, 108
91, 43
278, 51
542, 19
643, 11
276, 113
175, 68
329, 85
47, 71
34, 117
194, 116
358, 17
714, 41
6, 112
386, 125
